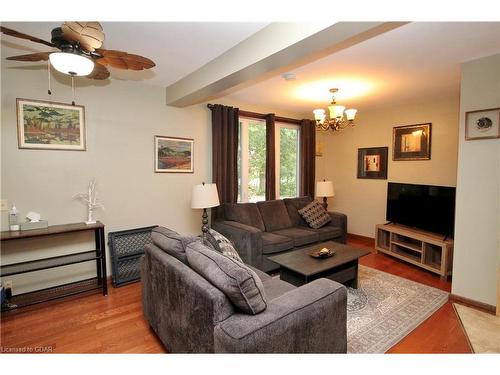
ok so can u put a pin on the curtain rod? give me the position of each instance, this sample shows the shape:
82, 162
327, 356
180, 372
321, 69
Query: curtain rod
264, 115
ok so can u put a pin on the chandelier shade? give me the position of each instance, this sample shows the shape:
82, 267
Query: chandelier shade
71, 63
337, 121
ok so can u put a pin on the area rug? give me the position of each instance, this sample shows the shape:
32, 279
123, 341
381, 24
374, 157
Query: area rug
385, 308
482, 329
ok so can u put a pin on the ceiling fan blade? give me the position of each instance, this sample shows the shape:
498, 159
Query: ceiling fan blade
124, 60
88, 34
100, 72
39, 56
17, 34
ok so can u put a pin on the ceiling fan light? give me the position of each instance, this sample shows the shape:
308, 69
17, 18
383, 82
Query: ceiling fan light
71, 64
336, 111
319, 115
350, 114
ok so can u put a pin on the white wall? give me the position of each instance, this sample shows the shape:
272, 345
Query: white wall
121, 118
477, 225
364, 200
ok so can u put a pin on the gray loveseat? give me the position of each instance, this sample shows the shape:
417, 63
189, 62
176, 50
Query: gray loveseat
267, 228
190, 315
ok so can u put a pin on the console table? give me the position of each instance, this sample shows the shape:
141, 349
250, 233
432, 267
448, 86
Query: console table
420, 248
98, 255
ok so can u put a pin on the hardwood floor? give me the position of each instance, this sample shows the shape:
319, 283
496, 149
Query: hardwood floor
115, 324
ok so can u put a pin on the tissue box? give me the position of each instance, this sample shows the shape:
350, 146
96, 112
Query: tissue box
36, 225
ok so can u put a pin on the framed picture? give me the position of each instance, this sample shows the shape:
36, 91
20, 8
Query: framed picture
482, 124
173, 155
372, 162
50, 126
319, 148
411, 142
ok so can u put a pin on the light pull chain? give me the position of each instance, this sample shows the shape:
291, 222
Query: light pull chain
49, 91
73, 89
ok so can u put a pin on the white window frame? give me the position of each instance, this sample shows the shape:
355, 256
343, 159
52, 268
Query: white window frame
277, 149
244, 154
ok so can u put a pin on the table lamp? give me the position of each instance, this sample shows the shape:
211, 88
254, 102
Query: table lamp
325, 189
204, 196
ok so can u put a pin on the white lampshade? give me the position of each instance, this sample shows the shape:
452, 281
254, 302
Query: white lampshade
325, 189
319, 115
350, 114
336, 111
204, 196
71, 64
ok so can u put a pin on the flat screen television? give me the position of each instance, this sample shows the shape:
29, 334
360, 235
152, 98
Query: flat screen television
427, 207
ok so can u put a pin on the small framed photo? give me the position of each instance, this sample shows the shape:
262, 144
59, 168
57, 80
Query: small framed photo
372, 162
173, 155
411, 142
50, 126
482, 124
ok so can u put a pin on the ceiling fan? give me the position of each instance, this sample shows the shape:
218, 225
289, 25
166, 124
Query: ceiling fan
80, 52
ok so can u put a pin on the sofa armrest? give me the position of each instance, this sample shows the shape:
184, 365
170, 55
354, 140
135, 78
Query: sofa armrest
309, 319
339, 220
246, 239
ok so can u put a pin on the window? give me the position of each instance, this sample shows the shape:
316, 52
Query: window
252, 160
287, 165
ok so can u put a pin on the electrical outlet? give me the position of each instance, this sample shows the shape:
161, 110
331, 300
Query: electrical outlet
7, 284
4, 205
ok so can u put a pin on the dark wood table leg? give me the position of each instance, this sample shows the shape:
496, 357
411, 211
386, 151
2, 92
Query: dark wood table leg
102, 248
98, 255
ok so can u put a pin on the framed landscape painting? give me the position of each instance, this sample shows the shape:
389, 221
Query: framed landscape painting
372, 162
50, 126
411, 142
173, 155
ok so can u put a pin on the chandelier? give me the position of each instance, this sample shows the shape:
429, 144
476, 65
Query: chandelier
337, 121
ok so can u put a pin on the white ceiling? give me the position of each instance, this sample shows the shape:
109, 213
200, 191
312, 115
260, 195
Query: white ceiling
177, 48
412, 61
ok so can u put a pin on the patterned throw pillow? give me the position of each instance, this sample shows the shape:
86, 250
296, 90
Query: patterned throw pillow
221, 244
315, 215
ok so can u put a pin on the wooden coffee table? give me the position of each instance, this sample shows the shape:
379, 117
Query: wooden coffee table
298, 267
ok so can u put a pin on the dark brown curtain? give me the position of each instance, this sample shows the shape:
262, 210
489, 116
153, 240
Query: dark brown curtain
307, 157
270, 158
225, 124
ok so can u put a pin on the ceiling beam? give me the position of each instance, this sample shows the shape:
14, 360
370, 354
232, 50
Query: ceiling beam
273, 50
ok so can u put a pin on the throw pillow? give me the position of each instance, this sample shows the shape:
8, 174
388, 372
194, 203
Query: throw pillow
236, 280
221, 244
172, 242
315, 215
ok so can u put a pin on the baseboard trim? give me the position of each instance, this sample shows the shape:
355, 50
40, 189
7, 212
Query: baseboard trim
472, 303
360, 237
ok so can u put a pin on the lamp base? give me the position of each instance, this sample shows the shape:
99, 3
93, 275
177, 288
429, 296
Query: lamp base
325, 203
204, 227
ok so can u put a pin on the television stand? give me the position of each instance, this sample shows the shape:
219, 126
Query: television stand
420, 248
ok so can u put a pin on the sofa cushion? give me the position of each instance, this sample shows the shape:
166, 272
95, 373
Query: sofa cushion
275, 288
172, 242
293, 205
300, 236
244, 213
328, 232
274, 215
273, 243
236, 280
315, 215
221, 244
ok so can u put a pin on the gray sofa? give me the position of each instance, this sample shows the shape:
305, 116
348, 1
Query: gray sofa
267, 228
190, 315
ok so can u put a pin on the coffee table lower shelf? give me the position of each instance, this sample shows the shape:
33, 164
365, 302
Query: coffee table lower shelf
346, 274
297, 267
